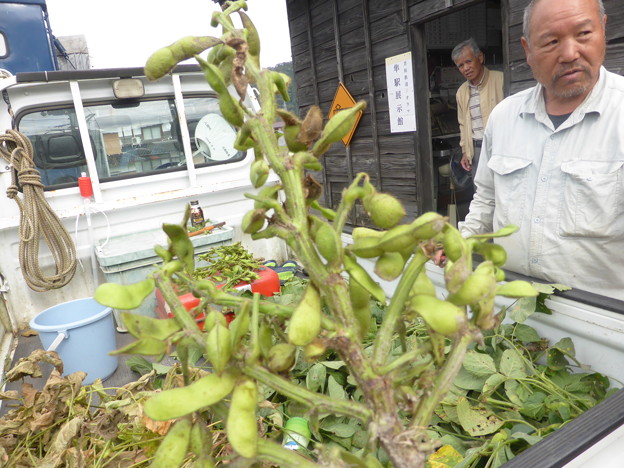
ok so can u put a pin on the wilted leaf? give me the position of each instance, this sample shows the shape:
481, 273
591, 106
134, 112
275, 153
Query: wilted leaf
61, 442
477, 422
445, 457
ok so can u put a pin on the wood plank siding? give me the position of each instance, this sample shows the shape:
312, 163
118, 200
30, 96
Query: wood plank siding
348, 41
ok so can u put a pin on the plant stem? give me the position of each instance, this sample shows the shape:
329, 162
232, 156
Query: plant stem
275, 453
267, 308
442, 382
177, 308
342, 213
383, 341
305, 396
405, 358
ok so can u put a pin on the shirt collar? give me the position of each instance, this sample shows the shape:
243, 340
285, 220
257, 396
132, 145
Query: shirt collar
594, 102
484, 78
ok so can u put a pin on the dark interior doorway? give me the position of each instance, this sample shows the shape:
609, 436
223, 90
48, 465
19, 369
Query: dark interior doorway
483, 22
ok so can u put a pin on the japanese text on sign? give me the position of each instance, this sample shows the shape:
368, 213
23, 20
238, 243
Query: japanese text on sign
399, 79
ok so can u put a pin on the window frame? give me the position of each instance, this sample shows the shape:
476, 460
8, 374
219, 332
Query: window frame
183, 138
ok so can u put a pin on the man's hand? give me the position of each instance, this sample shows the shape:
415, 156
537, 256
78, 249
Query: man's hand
465, 163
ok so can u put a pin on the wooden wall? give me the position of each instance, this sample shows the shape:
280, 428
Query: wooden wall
349, 40
521, 76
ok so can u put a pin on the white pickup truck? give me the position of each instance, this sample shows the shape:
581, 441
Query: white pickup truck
149, 149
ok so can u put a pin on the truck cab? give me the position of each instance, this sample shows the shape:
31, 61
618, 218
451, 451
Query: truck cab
149, 148
26, 40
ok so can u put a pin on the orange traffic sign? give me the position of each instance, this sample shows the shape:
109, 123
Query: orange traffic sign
344, 100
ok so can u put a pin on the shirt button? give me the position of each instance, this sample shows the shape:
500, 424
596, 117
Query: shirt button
544, 179
537, 220
589, 178
534, 260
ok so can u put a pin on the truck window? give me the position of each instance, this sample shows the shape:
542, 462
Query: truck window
128, 140
3, 46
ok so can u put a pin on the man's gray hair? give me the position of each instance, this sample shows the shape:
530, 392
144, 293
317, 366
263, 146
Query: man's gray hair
471, 43
528, 13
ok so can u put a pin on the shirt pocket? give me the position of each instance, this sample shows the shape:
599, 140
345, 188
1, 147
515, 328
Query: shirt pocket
591, 200
510, 187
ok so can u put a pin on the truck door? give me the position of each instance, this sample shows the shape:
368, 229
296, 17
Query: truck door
25, 37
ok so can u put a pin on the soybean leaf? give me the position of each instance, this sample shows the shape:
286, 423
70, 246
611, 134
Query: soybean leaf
526, 334
139, 365
528, 438
469, 381
445, 456
550, 288
479, 421
522, 309
333, 364
315, 379
453, 441
569, 381
124, 296
512, 364
534, 406
335, 389
501, 456
556, 360
142, 326
146, 346
479, 364
540, 305
342, 430
491, 384
566, 346
515, 392
450, 413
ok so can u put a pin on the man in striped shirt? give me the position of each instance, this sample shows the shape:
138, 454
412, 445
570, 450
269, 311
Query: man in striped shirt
476, 98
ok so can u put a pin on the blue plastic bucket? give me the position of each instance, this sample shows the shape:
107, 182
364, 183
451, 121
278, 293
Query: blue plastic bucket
82, 333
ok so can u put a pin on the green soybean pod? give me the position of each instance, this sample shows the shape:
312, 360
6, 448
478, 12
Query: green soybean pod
219, 347
231, 110
173, 448
178, 402
337, 127
164, 60
163, 253
201, 445
180, 245
241, 427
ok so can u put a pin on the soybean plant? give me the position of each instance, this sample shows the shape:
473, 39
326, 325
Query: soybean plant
334, 314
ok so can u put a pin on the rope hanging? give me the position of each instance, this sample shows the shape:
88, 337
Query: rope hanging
37, 219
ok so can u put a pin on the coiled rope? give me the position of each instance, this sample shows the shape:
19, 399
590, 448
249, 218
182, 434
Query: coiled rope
37, 219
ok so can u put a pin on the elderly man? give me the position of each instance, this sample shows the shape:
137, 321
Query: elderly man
476, 98
553, 156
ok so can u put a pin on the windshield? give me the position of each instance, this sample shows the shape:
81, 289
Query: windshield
128, 140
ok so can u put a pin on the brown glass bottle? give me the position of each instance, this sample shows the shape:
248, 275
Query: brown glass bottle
197, 214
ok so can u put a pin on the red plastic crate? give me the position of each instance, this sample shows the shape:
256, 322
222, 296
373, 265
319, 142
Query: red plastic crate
267, 285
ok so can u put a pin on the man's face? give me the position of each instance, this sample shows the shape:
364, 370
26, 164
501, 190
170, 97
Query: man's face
470, 65
566, 48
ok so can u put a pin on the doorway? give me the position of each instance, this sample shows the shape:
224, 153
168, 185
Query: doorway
483, 22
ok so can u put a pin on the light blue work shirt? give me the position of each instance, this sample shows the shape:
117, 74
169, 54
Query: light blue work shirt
564, 188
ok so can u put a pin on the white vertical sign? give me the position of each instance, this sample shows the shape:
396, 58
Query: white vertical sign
399, 78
